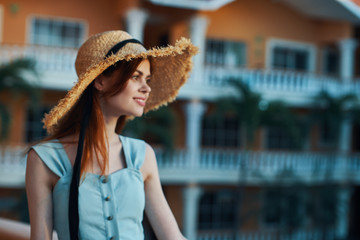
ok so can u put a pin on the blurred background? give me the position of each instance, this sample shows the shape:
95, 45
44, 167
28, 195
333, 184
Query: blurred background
263, 141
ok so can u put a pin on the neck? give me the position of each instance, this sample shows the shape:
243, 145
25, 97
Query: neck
110, 126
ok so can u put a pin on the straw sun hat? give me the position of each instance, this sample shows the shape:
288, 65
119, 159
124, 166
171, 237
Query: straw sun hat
170, 68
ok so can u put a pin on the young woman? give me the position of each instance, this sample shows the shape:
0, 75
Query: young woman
85, 181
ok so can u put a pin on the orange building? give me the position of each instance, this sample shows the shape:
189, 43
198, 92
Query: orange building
218, 186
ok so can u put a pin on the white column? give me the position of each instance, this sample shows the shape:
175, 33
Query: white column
135, 23
194, 112
198, 27
345, 136
347, 60
343, 202
191, 196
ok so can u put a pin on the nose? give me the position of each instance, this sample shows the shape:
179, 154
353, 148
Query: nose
145, 87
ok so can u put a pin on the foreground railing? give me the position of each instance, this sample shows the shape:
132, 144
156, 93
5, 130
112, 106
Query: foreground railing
294, 235
224, 165
267, 80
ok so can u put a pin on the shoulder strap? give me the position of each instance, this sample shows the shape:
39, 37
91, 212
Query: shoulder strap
54, 156
134, 151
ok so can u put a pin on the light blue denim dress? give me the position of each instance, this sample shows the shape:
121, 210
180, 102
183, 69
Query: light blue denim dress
110, 207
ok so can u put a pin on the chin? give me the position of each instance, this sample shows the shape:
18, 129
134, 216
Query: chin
138, 114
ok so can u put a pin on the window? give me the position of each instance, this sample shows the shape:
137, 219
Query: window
217, 210
327, 135
290, 55
34, 126
300, 207
290, 59
356, 138
285, 207
322, 209
331, 61
277, 138
225, 53
55, 32
224, 132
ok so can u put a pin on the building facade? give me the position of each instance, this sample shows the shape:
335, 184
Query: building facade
218, 185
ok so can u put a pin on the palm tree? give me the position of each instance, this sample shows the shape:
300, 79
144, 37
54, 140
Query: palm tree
155, 126
253, 112
15, 78
278, 114
330, 111
244, 107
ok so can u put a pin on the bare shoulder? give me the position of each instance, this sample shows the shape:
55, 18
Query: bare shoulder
37, 169
149, 166
33, 158
150, 153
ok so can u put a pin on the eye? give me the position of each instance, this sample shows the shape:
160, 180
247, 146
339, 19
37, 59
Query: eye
148, 80
135, 77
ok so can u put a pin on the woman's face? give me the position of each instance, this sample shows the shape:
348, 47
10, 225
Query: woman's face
132, 99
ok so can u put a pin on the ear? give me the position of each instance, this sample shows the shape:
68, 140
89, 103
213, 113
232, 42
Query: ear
99, 83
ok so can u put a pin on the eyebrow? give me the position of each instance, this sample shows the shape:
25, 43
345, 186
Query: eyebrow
141, 73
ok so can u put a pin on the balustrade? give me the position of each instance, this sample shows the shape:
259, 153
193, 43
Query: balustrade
61, 60
273, 165
267, 80
47, 58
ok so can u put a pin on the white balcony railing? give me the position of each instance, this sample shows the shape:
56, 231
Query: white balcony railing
256, 167
266, 80
55, 65
12, 166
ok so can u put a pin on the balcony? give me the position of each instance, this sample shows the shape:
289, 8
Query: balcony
296, 88
56, 66
219, 166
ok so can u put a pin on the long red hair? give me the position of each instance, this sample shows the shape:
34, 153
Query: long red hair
95, 142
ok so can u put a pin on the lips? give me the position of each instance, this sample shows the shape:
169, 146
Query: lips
140, 100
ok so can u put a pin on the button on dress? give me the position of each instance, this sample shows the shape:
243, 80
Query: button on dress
110, 207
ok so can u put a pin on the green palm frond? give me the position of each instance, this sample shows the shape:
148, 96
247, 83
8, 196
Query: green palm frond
279, 114
332, 110
253, 112
18, 77
356, 114
156, 126
12, 74
244, 107
4, 122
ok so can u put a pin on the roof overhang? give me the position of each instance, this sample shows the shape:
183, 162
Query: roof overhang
193, 4
345, 10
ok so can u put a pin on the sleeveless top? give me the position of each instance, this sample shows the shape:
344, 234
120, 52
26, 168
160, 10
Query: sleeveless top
110, 207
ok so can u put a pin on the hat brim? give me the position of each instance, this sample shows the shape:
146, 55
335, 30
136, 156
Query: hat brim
171, 66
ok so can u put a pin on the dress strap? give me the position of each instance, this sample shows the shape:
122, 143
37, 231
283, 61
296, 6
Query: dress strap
134, 151
54, 156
